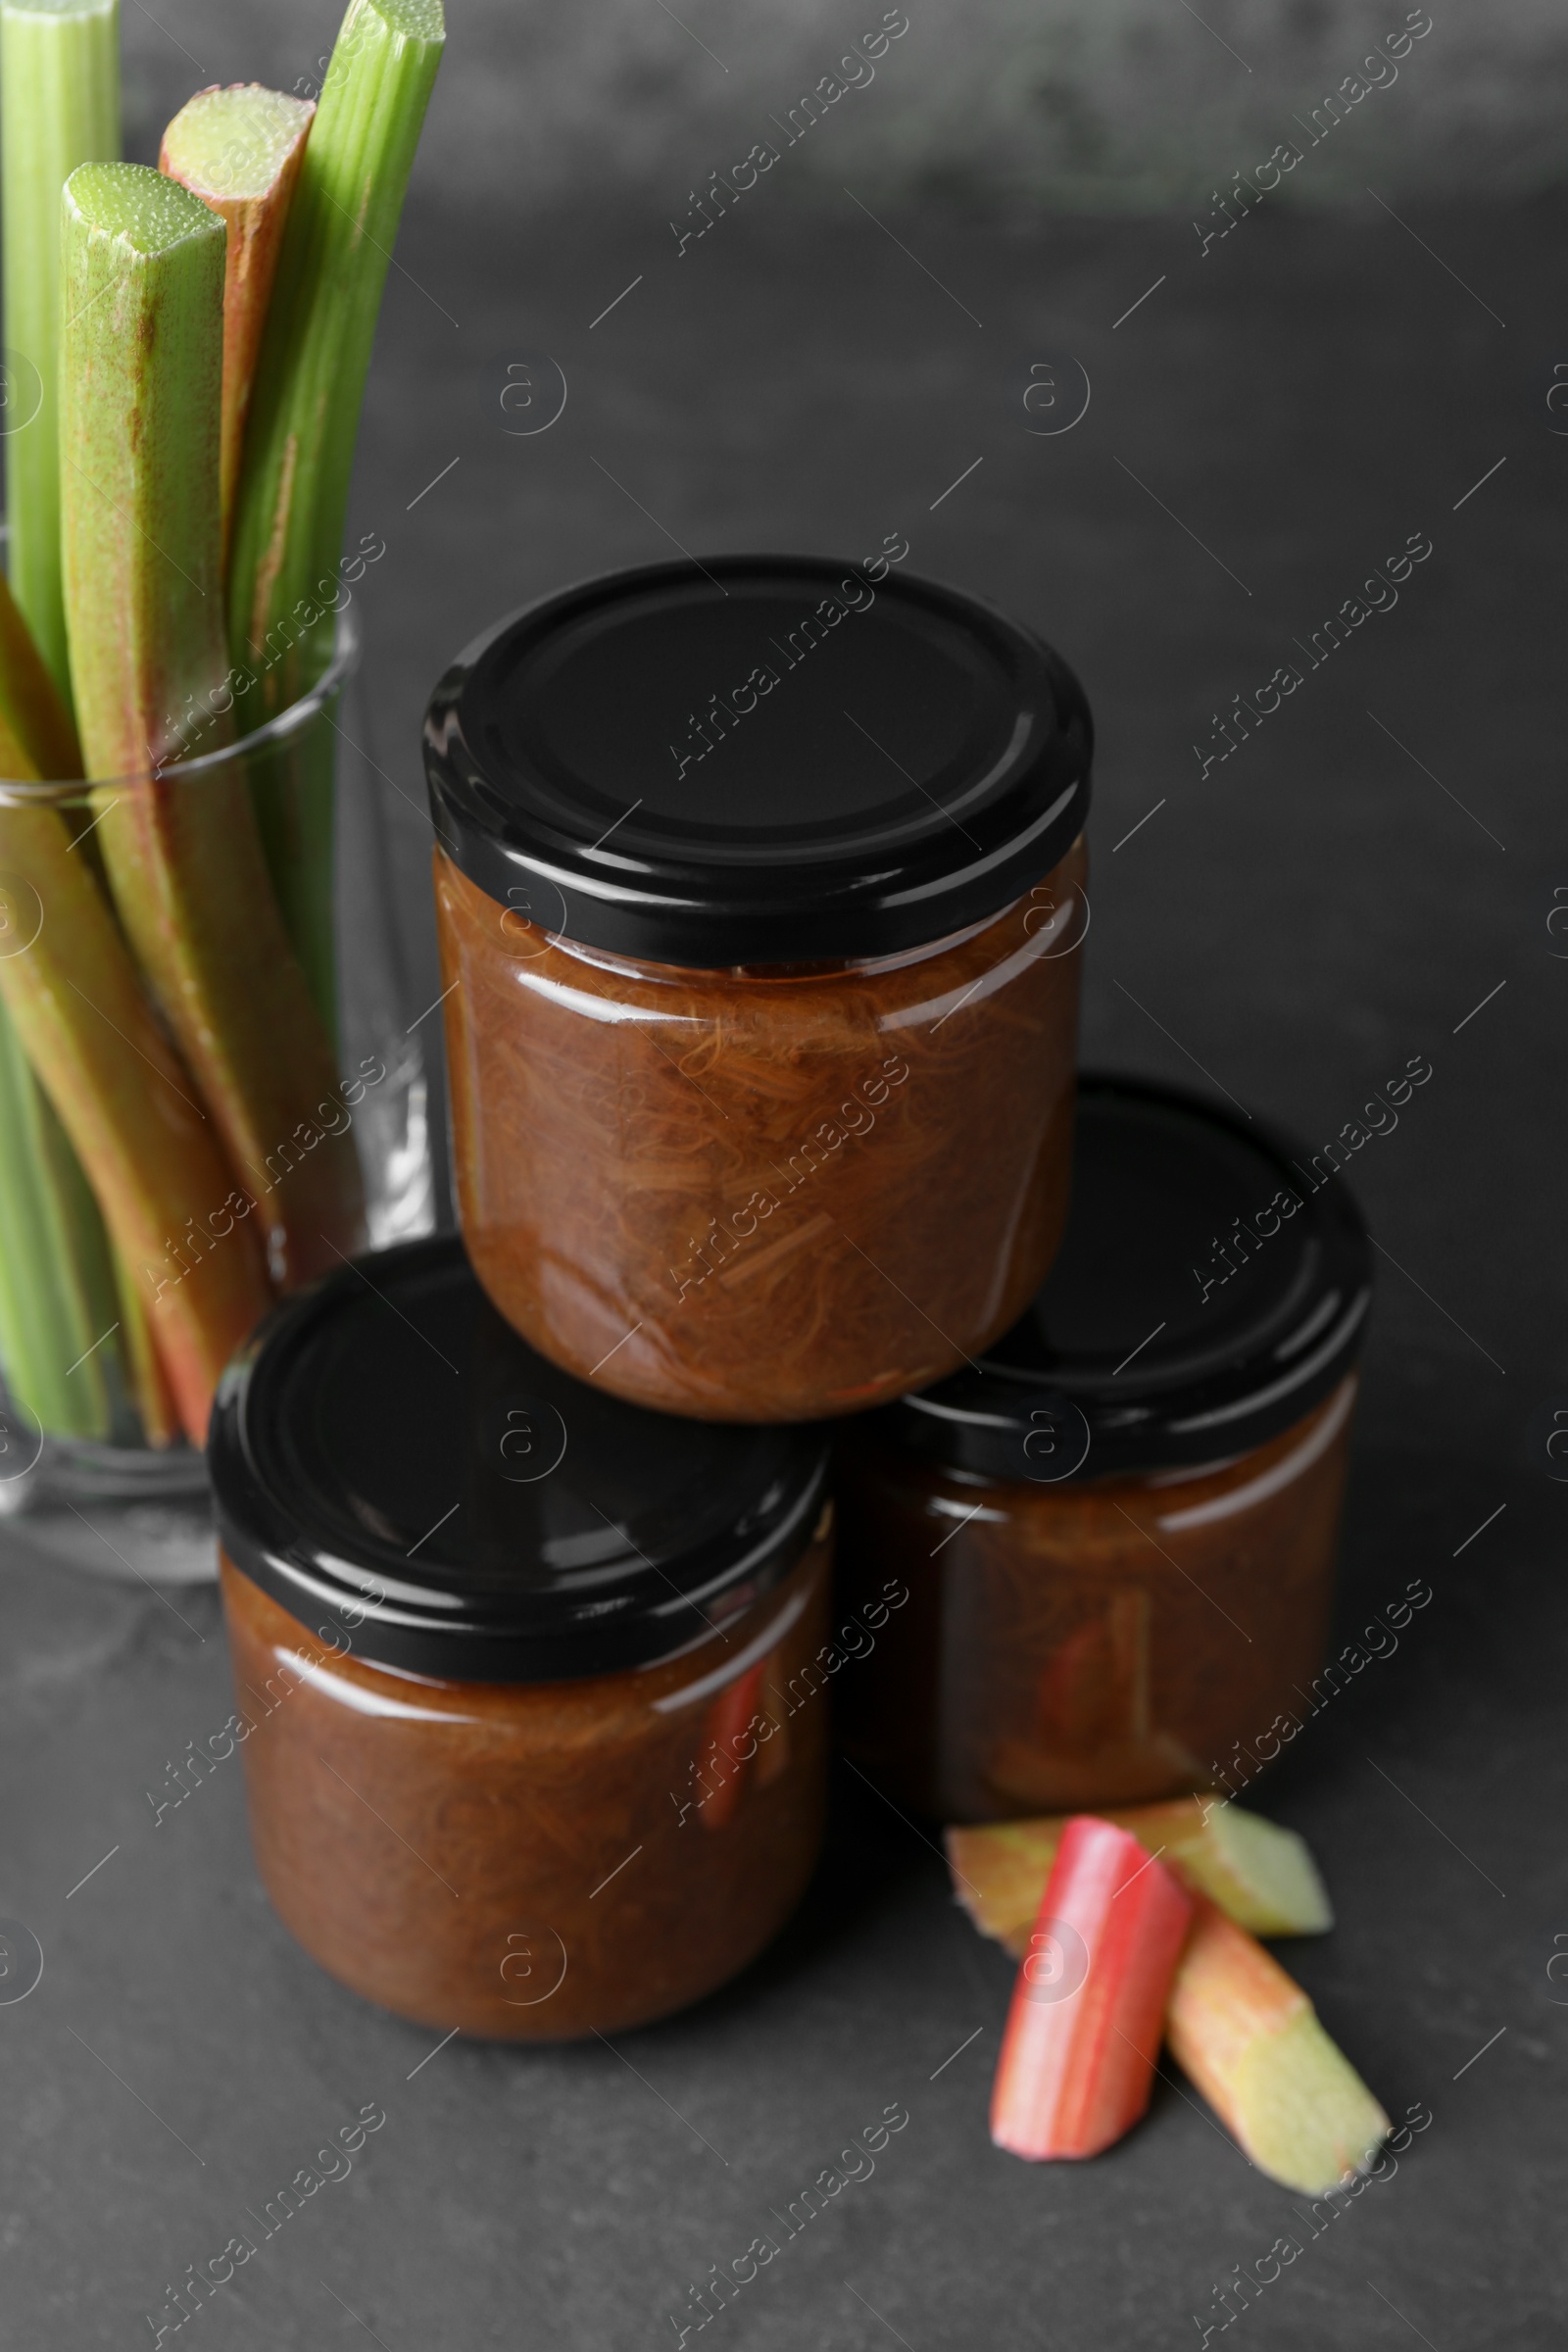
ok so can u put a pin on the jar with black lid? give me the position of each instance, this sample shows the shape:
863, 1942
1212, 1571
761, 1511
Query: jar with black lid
529, 1744
1118, 1527
759, 888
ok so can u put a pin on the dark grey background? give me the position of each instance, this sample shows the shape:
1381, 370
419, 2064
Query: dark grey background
1114, 104
1270, 422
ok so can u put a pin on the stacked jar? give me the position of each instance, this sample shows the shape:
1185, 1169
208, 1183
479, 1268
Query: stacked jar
1118, 1527
519, 1667
759, 888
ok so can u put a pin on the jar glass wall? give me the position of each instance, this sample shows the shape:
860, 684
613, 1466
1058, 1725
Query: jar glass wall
762, 1194
760, 892
535, 1861
529, 1680
1094, 1643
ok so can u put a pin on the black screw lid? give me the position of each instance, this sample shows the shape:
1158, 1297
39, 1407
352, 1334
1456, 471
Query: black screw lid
1162, 1335
386, 1451
757, 759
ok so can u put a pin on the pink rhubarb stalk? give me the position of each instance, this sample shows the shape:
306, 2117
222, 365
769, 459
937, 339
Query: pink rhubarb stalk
117, 1087
1083, 2033
241, 151
153, 1158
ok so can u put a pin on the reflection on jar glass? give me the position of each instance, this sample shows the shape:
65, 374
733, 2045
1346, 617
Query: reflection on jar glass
533, 1758
761, 1031
1120, 1531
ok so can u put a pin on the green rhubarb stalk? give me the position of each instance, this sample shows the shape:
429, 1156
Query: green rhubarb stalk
141, 359
46, 1304
126, 1102
85, 1235
1261, 1876
58, 1341
59, 107
304, 416
140, 381
240, 150
72, 1008
1249, 2039
39, 738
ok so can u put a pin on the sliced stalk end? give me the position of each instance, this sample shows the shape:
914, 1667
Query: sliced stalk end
999, 1871
1248, 2036
146, 214
241, 151
1263, 1875
1300, 2110
141, 359
230, 146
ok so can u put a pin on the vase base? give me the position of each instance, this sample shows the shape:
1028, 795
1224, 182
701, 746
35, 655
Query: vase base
115, 1511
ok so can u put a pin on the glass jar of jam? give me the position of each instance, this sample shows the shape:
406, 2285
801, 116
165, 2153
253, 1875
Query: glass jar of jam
759, 890
1118, 1527
530, 1743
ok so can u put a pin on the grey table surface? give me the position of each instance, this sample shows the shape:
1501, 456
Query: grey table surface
1368, 878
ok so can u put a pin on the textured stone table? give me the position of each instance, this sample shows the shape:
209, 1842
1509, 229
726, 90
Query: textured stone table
1368, 878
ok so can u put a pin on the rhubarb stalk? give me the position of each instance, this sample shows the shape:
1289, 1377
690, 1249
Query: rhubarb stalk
284, 580
1261, 1875
157, 1405
73, 999
141, 367
125, 1102
58, 1342
59, 107
36, 735
240, 150
51, 1311
1077, 2061
1249, 2039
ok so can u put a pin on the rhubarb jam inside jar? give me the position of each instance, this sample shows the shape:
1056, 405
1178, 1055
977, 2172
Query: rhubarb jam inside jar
532, 1747
761, 895
1118, 1529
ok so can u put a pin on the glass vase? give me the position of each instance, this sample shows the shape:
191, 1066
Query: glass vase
80, 1482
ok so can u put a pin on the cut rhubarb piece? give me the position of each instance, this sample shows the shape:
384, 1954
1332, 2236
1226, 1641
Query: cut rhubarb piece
1249, 2040
1083, 2033
1261, 1875
241, 151
139, 390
